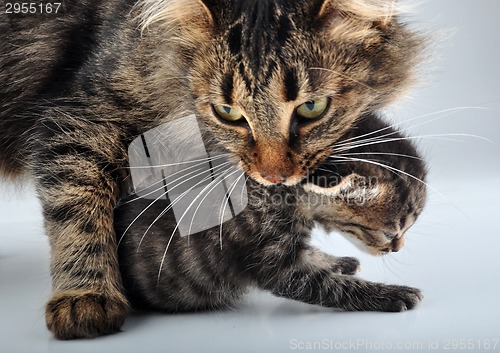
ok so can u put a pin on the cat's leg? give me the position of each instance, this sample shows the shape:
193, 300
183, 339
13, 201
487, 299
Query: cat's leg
77, 182
315, 280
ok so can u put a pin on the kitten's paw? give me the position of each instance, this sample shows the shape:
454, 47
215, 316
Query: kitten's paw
399, 298
76, 314
346, 266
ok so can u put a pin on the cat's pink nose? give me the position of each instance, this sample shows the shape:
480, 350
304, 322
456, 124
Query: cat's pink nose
274, 178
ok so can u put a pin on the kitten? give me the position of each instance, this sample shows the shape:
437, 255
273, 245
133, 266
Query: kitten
267, 245
274, 83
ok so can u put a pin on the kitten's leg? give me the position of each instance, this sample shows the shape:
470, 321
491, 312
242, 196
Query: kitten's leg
77, 184
313, 280
338, 265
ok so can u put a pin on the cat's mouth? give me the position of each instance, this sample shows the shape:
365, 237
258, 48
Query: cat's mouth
322, 177
275, 180
272, 176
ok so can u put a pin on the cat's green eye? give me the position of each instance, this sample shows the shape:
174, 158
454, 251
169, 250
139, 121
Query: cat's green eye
227, 113
313, 109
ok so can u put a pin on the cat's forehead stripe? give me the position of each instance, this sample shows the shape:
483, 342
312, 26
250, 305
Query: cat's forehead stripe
291, 86
257, 34
227, 88
234, 39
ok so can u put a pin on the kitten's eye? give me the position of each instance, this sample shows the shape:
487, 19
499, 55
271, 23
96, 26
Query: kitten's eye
227, 113
313, 109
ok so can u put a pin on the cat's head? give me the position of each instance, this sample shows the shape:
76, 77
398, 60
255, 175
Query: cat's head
278, 82
366, 210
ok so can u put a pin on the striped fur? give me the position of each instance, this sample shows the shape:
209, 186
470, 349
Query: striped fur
78, 86
267, 245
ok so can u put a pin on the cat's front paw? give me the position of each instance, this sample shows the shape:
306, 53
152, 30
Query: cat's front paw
394, 298
86, 314
346, 266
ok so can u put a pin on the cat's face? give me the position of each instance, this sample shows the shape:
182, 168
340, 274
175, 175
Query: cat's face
279, 82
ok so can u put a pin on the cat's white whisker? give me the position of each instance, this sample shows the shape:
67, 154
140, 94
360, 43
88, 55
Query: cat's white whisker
442, 137
203, 199
163, 186
153, 202
449, 111
243, 191
174, 202
392, 169
178, 163
445, 137
379, 153
167, 185
166, 209
225, 203
396, 171
178, 222
157, 199
213, 184
139, 216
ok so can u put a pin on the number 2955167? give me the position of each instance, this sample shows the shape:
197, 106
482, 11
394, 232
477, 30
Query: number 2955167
32, 7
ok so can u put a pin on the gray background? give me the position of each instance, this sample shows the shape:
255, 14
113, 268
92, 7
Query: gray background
452, 253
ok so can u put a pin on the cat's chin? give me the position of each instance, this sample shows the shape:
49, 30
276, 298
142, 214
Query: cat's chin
292, 181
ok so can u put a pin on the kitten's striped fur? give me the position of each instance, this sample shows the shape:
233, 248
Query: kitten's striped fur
267, 245
77, 87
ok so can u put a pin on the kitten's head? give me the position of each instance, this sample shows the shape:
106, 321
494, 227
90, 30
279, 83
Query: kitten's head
367, 210
278, 82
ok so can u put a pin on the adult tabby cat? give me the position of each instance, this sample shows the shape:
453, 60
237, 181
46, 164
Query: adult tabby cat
274, 83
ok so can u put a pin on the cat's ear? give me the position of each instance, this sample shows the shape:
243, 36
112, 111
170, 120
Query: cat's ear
379, 12
322, 8
208, 7
191, 17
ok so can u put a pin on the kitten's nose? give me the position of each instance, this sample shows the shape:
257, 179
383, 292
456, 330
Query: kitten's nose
275, 179
397, 244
